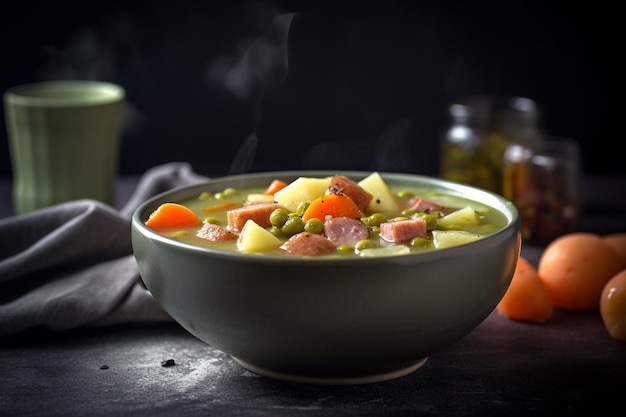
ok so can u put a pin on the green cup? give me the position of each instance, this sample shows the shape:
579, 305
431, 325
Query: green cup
64, 141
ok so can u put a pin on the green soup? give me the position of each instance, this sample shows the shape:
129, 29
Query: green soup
448, 220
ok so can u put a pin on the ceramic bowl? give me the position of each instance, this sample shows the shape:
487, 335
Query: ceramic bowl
328, 321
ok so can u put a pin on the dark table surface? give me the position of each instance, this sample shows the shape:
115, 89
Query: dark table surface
567, 366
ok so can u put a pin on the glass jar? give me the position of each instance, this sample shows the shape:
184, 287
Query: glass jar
543, 180
481, 127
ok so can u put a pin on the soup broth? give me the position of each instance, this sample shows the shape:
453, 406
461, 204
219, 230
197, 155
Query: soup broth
449, 220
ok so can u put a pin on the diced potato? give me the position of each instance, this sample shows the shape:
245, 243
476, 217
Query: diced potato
464, 217
447, 238
385, 251
254, 238
302, 189
383, 200
260, 198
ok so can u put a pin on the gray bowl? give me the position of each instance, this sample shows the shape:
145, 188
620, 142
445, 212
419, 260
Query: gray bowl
331, 321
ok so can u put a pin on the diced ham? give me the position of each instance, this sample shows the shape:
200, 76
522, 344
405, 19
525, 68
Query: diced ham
345, 231
259, 213
308, 244
215, 233
403, 230
420, 205
341, 184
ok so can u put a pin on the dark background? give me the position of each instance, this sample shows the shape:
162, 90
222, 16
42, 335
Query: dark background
262, 85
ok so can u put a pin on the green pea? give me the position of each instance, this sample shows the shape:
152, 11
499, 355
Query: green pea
301, 208
314, 225
178, 234
362, 244
205, 195
408, 212
278, 217
292, 226
211, 220
229, 191
275, 231
399, 219
375, 219
405, 194
420, 242
374, 230
345, 248
429, 218
218, 196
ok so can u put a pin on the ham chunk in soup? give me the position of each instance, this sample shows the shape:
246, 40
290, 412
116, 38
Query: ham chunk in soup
340, 184
403, 230
345, 231
308, 244
259, 213
215, 233
420, 205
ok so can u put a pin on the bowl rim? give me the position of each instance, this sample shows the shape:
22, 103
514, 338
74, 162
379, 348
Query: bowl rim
496, 201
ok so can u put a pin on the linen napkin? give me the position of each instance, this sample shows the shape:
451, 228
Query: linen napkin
72, 265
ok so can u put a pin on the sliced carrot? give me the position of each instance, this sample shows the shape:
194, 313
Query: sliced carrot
274, 187
527, 298
335, 205
172, 215
221, 206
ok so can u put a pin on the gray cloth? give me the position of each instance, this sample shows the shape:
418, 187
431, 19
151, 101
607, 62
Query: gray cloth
71, 264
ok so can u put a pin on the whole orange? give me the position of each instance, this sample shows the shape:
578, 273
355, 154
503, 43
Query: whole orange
526, 299
613, 306
575, 268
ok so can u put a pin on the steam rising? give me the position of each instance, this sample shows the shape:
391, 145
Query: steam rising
90, 54
245, 156
252, 67
85, 56
262, 64
396, 137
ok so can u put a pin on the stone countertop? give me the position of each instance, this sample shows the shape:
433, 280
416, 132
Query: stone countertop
567, 366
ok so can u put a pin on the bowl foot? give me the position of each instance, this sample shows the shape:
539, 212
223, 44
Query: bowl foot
387, 376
